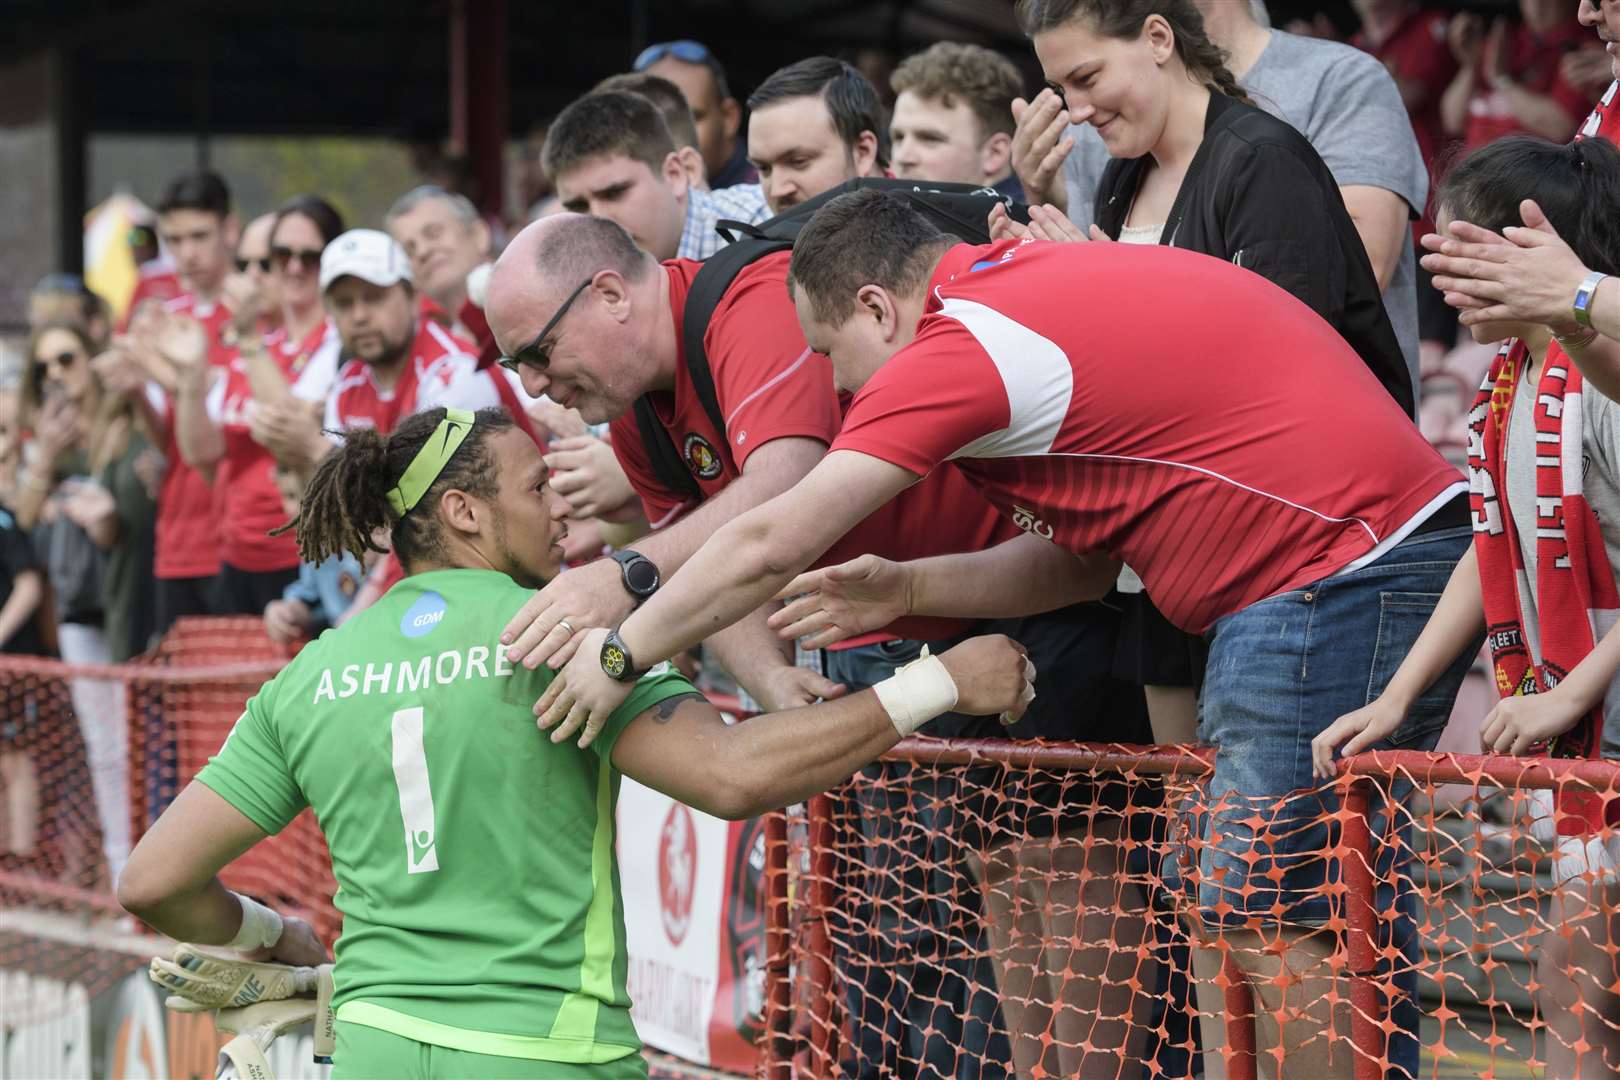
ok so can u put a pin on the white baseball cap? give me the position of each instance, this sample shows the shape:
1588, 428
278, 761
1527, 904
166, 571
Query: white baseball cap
367, 254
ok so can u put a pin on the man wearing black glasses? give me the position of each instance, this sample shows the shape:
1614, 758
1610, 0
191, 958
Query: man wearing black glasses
594, 323
692, 67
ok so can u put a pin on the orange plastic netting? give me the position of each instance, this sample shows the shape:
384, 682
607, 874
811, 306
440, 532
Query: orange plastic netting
74, 796
985, 909
967, 910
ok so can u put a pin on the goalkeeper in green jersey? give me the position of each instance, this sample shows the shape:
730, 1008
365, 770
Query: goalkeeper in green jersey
483, 931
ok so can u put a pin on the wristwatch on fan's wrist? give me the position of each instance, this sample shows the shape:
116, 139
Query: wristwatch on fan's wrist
638, 574
616, 660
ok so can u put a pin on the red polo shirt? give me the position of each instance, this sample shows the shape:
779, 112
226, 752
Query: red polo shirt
1057, 378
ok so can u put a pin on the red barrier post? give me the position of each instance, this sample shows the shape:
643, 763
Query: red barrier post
824, 1003
1240, 1048
1361, 945
776, 1049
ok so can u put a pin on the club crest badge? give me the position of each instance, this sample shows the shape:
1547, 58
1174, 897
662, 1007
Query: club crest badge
701, 457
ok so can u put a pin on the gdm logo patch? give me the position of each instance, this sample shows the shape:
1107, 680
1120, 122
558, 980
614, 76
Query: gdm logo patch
424, 616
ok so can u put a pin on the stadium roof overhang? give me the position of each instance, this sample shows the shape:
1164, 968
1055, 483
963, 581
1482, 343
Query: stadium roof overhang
477, 71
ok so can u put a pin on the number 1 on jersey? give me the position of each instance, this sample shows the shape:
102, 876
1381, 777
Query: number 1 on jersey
415, 795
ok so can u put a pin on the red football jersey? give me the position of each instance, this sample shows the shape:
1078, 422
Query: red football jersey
770, 385
1533, 62
246, 475
1060, 379
1604, 120
187, 530
1417, 55
157, 281
442, 369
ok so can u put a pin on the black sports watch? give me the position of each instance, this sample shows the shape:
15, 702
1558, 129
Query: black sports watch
639, 574
617, 662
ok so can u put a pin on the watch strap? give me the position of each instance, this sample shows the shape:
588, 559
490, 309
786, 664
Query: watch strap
1581, 307
625, 557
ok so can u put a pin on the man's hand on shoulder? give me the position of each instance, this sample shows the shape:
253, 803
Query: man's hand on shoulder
581, 695
549, 626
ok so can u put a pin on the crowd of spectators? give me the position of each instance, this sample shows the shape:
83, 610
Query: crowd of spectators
148, 463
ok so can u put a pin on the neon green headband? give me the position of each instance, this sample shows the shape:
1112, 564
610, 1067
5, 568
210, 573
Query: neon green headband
430, 461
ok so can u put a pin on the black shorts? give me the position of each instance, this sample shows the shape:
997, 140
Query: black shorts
1154, 652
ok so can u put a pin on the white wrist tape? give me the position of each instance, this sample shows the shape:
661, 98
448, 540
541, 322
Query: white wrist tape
917, 693
261, 927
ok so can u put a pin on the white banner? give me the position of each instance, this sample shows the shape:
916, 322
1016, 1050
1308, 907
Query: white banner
672, 863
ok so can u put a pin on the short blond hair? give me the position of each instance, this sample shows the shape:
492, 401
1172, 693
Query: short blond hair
951, 71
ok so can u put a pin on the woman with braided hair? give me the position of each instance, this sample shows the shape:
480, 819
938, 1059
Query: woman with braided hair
483, 931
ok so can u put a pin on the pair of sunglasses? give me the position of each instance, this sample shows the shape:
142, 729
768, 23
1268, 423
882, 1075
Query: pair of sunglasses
63, 360
309, 258
687, 51
532, 354
263, 264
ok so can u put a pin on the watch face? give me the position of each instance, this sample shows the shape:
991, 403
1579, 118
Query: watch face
642, 576
613, 661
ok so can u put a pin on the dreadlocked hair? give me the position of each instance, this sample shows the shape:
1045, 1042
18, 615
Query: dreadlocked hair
1203, 59
346, 502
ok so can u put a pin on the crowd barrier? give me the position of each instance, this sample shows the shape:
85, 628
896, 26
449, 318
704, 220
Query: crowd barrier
961, 909
970, 904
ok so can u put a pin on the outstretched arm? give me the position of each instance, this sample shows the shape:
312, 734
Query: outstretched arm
745, 563
683, 748
592, 596
1022, 576
740, 567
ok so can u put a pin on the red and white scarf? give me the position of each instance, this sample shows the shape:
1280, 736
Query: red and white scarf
1574, 596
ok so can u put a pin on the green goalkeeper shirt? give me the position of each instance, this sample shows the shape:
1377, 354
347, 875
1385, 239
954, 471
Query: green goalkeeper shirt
474, 858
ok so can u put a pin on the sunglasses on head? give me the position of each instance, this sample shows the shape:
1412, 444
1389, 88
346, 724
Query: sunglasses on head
532, 354
309, 258
691, 52
72, 284
262, 263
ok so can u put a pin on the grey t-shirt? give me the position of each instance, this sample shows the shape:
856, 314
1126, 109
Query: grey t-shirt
1348, 106
1600, 483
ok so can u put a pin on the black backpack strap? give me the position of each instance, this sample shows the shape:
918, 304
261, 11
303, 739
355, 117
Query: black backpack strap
662, 453
708, 288
958, 209
730, 231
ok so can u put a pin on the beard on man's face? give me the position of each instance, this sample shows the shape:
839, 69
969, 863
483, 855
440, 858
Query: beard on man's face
530, 570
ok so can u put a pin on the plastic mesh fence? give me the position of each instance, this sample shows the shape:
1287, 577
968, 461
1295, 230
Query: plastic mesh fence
969, 910
989, 909
89, 757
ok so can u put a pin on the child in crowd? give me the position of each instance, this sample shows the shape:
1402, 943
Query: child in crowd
322, 593
1541, 576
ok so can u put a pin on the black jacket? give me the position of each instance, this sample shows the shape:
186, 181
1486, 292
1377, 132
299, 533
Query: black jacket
1257, 194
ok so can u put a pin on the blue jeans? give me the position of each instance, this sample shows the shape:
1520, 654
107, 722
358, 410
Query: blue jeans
1280, 671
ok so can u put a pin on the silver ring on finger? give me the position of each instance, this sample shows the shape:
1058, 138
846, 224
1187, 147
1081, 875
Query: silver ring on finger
566, 625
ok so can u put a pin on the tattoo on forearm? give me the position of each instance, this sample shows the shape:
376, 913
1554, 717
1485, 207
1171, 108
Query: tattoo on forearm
667, 707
